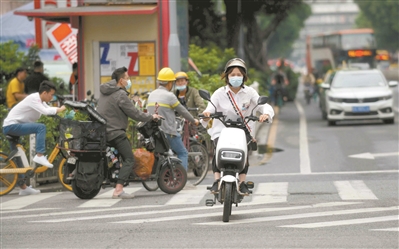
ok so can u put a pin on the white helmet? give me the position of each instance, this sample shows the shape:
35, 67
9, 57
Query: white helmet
236, 62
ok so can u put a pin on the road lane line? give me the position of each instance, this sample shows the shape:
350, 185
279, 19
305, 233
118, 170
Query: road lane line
235, 212
303, 141
271, 192
25, 210
393, 229
24, 201
301, 216
192, 196
354, 190
105, 199
345, 222
178, 210
328, 173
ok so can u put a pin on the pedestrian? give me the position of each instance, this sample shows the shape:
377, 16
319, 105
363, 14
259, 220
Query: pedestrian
115, 106
234, 93
188, 96
16, 88
73, 79
168, 105
21, 121
33, 81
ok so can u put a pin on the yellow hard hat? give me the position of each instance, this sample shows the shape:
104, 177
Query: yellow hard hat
166, 74
181, 75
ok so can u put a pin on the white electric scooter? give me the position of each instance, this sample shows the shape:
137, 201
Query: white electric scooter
231, 156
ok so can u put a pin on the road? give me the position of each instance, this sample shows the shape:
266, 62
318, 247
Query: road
316, 187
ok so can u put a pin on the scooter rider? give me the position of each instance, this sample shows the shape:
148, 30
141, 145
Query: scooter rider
115, 106
167, 105
235, 93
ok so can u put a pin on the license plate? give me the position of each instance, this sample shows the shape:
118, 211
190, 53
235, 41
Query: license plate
72, 160
361, 109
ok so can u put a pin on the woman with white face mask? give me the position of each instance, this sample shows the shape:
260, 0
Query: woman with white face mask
235, 93
188, 96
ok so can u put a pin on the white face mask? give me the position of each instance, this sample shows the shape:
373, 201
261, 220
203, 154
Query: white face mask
236, 81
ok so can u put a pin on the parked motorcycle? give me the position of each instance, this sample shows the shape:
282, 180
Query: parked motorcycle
231, 156
94, 169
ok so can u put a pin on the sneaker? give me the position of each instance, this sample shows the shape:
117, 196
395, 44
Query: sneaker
244, 188
189, 186
42, 160
215, 187
29, 191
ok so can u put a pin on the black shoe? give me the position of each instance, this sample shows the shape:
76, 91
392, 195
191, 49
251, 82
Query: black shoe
244, 188
215, 187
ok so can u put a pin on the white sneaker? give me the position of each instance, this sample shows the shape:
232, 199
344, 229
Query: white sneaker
42, 160
29, 191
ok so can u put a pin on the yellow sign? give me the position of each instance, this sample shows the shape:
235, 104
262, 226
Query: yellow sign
142, 84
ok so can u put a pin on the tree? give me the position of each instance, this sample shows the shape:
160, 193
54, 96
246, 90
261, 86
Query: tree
382, 16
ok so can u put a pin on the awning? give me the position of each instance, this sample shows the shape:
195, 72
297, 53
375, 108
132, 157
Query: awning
64, 14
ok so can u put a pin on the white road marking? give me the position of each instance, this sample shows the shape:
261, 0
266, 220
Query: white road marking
25, 210
303, 141
192, 196
23, 201
393, 229
354, 190
374, 155
105, 199
301, 216
328, 173
252, 211
179, 210
345, 222
272, 192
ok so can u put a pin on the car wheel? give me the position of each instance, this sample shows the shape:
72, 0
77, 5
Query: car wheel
389, 121
331, 123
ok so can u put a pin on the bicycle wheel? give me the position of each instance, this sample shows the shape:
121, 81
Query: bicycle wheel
198, 162
61, 176
7, 181
150, 185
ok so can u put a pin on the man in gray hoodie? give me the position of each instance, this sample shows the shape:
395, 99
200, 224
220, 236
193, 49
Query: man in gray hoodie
115, 106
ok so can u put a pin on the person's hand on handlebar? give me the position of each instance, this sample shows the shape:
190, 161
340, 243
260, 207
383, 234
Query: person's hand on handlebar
196, 122
263, 118
156, 117
61, 109
206, 114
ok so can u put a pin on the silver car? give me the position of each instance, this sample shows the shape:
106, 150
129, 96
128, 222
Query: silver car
359, 95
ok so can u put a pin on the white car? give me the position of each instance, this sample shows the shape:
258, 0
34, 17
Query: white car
359, 95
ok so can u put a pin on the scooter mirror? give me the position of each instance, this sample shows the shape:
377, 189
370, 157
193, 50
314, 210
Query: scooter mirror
262, 100
88, 93
205, 94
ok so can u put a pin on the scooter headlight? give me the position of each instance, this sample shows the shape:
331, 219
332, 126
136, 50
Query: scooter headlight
231, 155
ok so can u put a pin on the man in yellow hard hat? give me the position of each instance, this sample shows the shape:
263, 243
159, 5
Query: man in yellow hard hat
167, 105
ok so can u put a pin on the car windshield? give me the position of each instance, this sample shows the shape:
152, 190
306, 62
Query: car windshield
358, 80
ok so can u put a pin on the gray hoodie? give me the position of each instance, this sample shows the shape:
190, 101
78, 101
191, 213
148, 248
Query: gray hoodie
115, 106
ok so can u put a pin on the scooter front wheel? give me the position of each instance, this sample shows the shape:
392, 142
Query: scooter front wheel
171, 185
227, 202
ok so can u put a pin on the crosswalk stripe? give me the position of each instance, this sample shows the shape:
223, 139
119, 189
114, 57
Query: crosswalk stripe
345, 222
24, 201
105, 200
193, 196
252, 211
354, 190
301, 216
272, 192
25, 210
393, 229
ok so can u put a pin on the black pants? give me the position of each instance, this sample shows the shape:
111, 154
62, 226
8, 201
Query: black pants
124, 148
215, 169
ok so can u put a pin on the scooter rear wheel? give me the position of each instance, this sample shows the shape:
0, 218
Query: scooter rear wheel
84, 195
166, 182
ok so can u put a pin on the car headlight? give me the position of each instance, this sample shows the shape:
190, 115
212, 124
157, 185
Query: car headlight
386, 97
335, 99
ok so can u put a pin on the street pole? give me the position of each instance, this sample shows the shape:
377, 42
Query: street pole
173, 43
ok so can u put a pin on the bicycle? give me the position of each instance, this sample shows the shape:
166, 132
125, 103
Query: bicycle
9, 170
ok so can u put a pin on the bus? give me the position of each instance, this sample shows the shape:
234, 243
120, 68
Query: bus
356, 48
